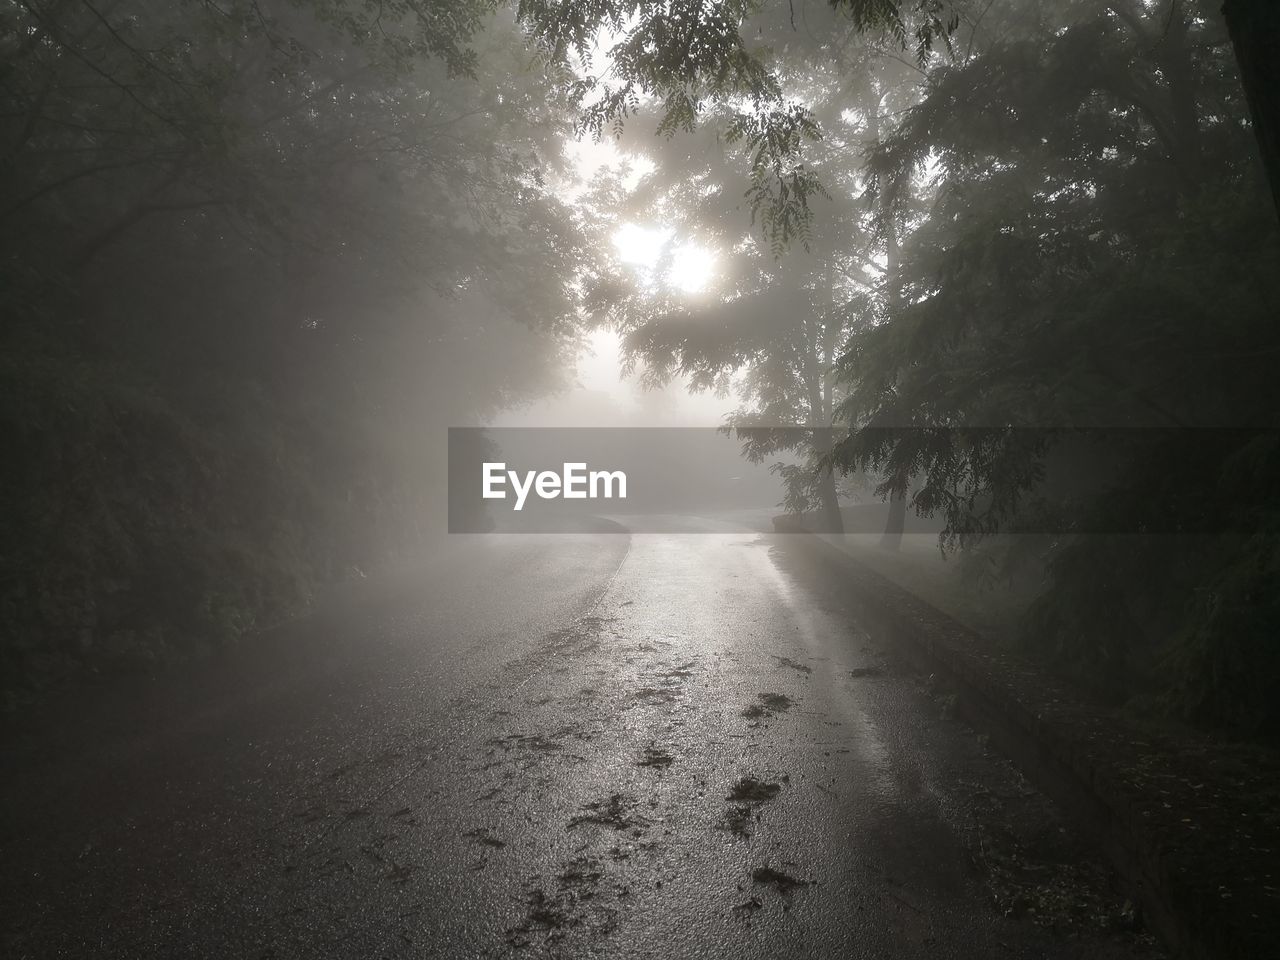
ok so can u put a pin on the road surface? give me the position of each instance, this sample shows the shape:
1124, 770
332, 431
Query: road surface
548, 746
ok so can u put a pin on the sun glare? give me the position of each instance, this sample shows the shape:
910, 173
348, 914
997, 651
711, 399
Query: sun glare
640, 246
687, 267
691, 268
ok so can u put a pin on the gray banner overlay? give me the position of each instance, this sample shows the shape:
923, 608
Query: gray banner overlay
652, 480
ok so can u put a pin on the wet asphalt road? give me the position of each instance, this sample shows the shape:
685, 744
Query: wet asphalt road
579, 746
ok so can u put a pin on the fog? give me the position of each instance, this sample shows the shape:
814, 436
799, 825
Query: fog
698, 478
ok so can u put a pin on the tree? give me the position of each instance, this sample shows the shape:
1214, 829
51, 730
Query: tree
773, 344
664, 53
1255, 35
1096, 254
1083, 242
258, 255
772, 328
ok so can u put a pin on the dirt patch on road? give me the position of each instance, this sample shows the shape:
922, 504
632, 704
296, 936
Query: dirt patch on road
737, 820
793, 664
769, 705
482, 836
618, 812
534, 742
858, 672
655, 757
780, 881
752, 790
650, 695
580, 874
677, 674
578, 903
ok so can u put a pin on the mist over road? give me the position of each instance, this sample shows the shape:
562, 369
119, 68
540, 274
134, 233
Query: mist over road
579, 745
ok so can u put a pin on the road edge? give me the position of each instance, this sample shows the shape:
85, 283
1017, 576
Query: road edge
1126, 785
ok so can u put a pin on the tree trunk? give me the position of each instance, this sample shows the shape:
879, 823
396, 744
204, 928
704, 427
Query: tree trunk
1254, 26
892, 537
823, 439
832, 521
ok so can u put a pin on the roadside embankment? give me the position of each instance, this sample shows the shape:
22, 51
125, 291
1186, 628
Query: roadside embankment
1191, 824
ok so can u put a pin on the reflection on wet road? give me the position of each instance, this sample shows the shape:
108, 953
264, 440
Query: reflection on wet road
655, 746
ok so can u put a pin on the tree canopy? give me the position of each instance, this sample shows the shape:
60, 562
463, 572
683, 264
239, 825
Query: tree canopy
257, 257
1059, 223
256, 251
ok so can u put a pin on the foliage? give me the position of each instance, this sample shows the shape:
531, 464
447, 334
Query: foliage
925, 21
768, 328
1098, 254
1075, 235
258, 255
254, 249
684, 54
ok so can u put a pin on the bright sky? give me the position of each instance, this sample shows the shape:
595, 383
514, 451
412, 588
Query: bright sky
602, 397
690, 268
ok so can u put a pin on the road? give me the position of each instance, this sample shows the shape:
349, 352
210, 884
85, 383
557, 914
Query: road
548, 746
